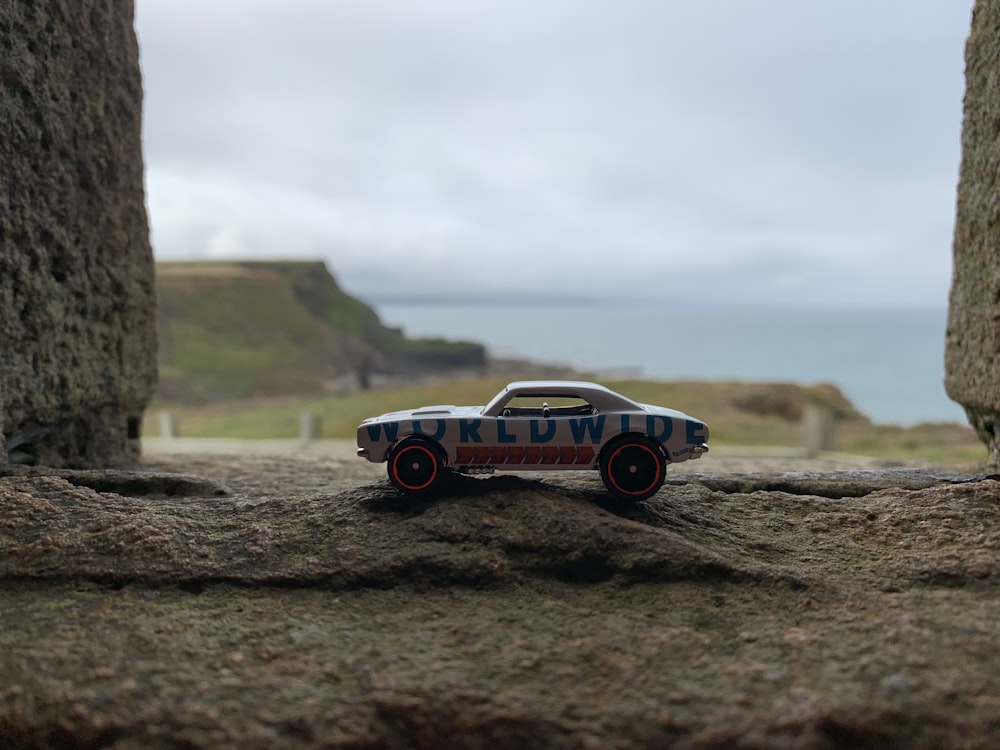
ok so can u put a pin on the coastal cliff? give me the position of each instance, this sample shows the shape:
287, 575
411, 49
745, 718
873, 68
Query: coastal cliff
238, 329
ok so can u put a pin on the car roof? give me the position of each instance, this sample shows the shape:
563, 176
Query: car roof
555, 386
600, 396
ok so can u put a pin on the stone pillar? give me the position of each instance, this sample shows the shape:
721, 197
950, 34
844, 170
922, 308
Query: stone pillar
972, 350
77, 301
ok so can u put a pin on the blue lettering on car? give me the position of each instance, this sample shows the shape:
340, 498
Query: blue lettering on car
440, 428
695, 432
581, 427
468, 431
391, 431
666, 430
502, 436
537, 436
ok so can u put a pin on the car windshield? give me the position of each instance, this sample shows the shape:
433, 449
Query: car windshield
496, 401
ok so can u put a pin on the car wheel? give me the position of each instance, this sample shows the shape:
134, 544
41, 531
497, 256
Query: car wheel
415, 465
633, 468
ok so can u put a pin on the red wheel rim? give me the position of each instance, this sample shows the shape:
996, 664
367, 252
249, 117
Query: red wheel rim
629, 464
414, 468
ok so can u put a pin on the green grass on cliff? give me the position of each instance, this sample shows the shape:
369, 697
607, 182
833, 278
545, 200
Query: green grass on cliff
739, 414
247, 329
224, 337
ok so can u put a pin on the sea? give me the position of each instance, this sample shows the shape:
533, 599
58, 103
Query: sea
888, 362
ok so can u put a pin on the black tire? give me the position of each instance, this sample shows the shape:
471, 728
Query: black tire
416, 466
633, 468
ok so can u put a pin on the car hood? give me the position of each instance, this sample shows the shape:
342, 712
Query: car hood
664, 411
429, 412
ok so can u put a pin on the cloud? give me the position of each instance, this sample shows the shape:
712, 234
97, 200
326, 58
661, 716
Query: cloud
735, 152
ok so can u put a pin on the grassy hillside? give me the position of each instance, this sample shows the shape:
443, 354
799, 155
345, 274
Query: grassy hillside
738, 414
240, 329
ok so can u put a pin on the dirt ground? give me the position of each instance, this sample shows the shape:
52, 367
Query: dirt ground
280, 602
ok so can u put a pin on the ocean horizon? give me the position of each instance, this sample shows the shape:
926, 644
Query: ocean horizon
888, 362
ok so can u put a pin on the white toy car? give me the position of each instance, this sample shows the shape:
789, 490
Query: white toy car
536, 425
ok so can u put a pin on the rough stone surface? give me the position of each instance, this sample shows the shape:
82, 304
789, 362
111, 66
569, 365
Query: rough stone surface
280, 602
972, 356
77, 300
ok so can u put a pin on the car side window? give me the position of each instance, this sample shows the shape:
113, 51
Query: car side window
547, 407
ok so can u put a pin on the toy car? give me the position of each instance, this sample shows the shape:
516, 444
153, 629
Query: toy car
536, 425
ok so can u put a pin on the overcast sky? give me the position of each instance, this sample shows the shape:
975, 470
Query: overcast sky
774, 152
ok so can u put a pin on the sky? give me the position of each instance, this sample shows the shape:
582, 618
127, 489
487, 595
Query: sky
676, 152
